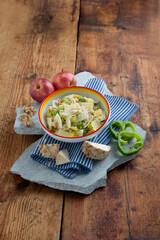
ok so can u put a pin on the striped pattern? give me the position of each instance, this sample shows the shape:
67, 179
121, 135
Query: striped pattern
121, 109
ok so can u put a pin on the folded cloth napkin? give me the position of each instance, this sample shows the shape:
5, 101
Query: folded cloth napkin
121, 109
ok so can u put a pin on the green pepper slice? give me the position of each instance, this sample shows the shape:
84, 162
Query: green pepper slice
80, 125
54, 113
82, 99
73, 128
135, 147
73, 119
122, 125
61, 107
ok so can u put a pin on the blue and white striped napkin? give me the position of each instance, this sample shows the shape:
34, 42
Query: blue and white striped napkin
121, 109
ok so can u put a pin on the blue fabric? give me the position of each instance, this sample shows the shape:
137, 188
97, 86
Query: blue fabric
121, 109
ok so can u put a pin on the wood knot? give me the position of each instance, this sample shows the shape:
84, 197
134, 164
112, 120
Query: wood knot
41, 21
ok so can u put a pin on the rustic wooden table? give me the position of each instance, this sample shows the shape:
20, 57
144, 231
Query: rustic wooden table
117, 40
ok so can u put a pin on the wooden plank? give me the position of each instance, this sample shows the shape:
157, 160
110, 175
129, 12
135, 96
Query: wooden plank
119, 42
38, 39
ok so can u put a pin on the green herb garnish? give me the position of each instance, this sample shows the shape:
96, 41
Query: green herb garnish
54, 113
85, 131
90, 126
73, 119
80, 125
68, 102
61, 107
96, 105
73, 128
82, 99
63, 120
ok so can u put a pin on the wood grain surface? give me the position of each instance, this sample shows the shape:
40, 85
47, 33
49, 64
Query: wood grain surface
117, 40
37, 39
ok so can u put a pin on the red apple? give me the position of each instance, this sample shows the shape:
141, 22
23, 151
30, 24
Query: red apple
64, 79
40, 89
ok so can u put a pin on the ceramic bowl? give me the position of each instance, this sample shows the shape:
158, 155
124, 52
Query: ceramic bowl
83, 91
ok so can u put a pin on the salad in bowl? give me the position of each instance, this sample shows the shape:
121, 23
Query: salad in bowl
74, 114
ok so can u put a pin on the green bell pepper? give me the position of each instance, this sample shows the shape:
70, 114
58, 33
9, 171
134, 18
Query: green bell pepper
82, 99
122, 125
80, 125
73, 128
135, 147
54, 113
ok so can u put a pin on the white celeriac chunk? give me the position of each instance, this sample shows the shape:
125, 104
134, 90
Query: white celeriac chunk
62, 157
103, 116
66, 111
58, 121
82, 116
63, 133
98, 112
50, 109
68, 121
95, 150
87, 106
49, 122
55, 104
76, 107
96, 124
71, 109
80, 132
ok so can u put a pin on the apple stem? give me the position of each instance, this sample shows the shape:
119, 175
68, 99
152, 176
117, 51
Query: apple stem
71, 83
37, 86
